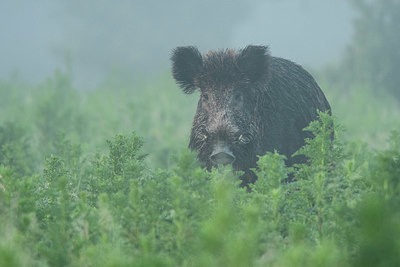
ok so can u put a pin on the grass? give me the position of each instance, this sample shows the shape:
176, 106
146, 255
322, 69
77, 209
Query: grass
75, 191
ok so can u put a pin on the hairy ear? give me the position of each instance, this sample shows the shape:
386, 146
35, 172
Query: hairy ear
254, 62
186, 64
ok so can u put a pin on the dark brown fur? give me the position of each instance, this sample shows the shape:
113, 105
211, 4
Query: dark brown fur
250, 102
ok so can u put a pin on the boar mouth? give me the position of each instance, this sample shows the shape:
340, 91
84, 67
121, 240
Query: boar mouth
222, 155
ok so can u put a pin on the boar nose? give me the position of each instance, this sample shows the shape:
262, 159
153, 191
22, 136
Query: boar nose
222, 155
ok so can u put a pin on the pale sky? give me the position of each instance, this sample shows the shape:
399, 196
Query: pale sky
36, 35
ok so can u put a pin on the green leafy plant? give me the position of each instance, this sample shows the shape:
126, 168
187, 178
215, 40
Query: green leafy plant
69, 198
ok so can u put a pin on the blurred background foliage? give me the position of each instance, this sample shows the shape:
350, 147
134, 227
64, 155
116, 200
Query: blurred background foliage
69, 197
363, 86
372, 59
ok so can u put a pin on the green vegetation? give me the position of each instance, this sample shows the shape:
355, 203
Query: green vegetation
104, 178
68, 197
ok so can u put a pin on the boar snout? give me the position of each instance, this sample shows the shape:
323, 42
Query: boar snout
222, 154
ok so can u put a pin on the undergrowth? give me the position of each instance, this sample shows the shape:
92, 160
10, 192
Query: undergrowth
112, 209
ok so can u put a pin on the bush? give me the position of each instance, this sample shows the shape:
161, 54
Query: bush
69, 198
112, 209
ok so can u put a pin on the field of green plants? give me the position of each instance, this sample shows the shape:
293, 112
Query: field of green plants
103, 178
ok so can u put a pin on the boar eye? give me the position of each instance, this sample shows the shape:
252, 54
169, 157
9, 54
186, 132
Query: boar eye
243, 139
203, 135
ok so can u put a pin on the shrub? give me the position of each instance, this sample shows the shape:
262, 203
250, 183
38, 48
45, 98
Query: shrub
111, 209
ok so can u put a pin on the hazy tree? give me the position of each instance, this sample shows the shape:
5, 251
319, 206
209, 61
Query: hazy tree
374, 56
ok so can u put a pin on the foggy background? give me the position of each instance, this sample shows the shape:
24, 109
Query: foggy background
135, 38
90, 69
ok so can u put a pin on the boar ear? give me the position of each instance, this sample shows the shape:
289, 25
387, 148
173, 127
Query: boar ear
186, 64
254, 62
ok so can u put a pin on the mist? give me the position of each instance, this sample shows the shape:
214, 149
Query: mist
135, 38
107, 158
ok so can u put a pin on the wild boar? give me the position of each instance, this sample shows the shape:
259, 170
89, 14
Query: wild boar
250, 103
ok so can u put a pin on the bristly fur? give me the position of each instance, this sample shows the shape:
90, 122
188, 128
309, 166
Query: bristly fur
192, 71
219, 67
250, 94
